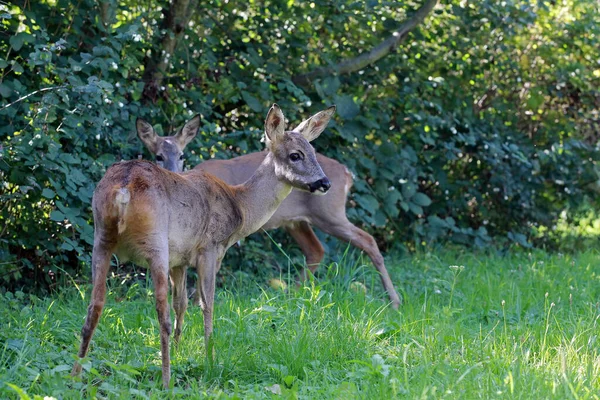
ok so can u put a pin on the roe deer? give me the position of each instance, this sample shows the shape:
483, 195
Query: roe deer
169, 220
297, 212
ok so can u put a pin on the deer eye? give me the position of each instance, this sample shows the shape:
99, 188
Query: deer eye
159, 158
181, 157
295, 156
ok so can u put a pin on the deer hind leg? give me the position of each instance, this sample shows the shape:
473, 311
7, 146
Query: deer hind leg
180, 300
197, 300
357, 237
207, 266
159, 268
100, 265
309, 244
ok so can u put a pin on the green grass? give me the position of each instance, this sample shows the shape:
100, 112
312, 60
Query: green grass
514, 326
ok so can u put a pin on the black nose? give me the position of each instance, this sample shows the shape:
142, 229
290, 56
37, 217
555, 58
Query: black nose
322, 184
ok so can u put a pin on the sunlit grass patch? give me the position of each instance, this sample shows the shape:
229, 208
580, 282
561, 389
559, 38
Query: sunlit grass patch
472, 326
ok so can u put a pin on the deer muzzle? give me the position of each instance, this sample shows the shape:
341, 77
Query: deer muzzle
321, 185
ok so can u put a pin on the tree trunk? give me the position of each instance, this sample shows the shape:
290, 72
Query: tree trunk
105, 13
176, 18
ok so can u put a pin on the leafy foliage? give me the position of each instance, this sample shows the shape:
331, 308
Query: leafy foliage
480, 128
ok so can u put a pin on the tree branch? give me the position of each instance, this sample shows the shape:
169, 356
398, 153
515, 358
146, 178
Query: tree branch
31, 94
383, 49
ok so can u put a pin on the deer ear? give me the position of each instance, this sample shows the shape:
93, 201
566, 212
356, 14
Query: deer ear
274, 124
311, 128
147, 134
188, 132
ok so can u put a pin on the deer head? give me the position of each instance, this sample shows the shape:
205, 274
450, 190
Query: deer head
294, 158
168, 150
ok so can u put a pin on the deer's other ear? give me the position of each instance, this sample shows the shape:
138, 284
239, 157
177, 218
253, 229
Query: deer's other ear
147, 135
274, 125
188, 132
312, 127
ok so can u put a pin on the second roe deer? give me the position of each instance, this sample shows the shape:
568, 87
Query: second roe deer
297, 212
170, 220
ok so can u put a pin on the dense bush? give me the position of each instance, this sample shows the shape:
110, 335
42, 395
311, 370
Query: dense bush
479, 128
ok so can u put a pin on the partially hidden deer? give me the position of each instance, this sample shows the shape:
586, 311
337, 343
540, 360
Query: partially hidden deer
297, 212
169, 220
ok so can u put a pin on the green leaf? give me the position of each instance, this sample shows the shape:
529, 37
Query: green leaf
367, 202
368, 163
437, 222
61, 368
66, 246
388, 149
5, 91
289, 380
252, 101
69, 159
390, 203
137, 90
404, 206
48, 193
68, 212
57, 216
535, 99
331, 85
380, 218
346, 107
408, 190
421, 199
415, 208
519, 238
17, 40
17, 68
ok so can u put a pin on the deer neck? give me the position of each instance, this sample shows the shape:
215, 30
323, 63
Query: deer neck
261, 195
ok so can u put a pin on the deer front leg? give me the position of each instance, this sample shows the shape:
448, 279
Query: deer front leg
207, 266
159, 267
180, 300
100, 265
310, 245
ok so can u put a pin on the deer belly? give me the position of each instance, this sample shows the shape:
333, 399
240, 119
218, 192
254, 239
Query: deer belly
126, 252
179, 255
183, 245
278, 221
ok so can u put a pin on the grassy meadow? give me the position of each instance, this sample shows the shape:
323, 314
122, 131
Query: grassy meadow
473, 326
